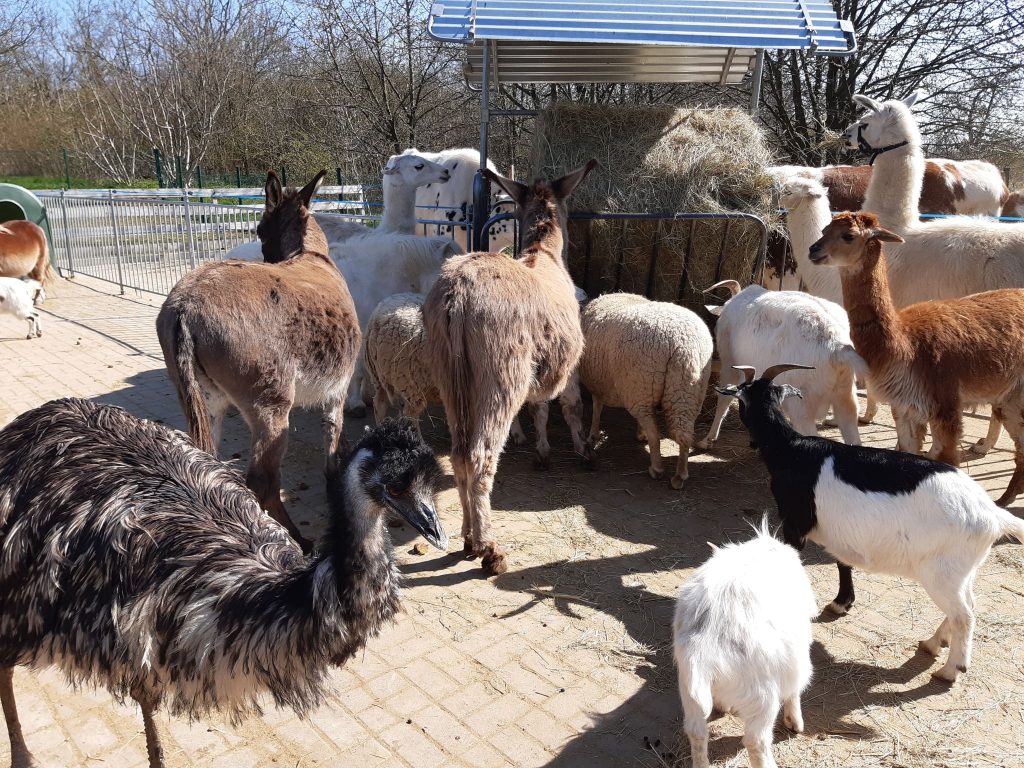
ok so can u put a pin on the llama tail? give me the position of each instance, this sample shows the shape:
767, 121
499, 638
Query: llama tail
189, 390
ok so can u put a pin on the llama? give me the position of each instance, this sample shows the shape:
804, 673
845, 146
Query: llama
884, 511
264, 337
501, 332
137, 562
929, 359
24, 252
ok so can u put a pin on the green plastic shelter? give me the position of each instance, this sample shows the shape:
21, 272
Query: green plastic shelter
18, 203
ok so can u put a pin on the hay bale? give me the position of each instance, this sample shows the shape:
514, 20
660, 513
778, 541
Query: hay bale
659, 159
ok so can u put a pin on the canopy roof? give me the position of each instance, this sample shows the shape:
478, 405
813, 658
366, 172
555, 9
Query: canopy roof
663, 41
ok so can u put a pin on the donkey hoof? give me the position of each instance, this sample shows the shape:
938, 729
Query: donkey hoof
678, 481
468, 549
542, 461
493, 561
657, 474
356, 411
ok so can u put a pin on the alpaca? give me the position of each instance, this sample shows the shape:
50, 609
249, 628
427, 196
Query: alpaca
264, 337
24, 252
138, 562
929, 359
501, 332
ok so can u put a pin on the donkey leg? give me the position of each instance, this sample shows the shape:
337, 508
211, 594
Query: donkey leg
333, 421
354, 405
460, 468
270, 441
483, 465
539, 411
572, 411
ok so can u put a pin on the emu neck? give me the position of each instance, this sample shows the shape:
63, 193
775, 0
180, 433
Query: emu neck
399, 208
543, 236
875, 325
806, 223
895, 187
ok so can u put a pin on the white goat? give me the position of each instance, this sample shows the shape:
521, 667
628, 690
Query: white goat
20, 298
742, 638
758, 327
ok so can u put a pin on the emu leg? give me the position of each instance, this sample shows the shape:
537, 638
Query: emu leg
844, 599
153, 746
20, 756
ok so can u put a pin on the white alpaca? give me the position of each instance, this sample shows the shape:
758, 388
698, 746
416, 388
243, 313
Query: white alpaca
807, 214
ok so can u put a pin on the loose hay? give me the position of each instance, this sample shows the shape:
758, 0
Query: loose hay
667, 160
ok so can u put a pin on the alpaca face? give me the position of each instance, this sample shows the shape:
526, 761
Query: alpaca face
849, 241
412, 170
798, 190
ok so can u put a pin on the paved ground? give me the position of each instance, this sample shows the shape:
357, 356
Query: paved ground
565, 661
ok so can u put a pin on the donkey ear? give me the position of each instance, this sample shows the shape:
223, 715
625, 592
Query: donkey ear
565, 186
307, 192
884, 235
513, 188
915, 97
868, 102
273, 191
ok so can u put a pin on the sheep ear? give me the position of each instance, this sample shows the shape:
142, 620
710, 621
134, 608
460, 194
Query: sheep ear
915, 97
565, 186
307, 192
714, 309
273, 191
885, 236
867, 102
513, 188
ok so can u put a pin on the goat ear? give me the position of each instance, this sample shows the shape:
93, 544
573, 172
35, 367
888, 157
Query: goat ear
307, 192
273, 191
915, 97
884, 235
513, 188
868, 102
565, 186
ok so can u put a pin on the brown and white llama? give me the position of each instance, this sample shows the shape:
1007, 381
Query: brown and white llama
24, 252
264, 337
502, 332
930, 359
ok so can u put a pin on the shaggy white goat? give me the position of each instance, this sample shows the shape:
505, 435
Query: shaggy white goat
742, 638
20, 298
643, 355
757, 327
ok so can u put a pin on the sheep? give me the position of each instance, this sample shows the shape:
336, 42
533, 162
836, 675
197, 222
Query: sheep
643, 355
757, 325
20, 298
501, 332
883, 511
453, 201
742, 638
136, 561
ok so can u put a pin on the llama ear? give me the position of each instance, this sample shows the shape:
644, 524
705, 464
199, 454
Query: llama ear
867, 102
273, 191
307, 192
565, 186
788, 390
392, 165
513, 188
714, 309
915, 97
884, 235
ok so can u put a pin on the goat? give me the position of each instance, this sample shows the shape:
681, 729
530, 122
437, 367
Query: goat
501, 332
742, 638
135, 561
883, 511
20, 298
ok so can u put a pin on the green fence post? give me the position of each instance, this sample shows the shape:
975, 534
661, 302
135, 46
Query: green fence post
177, 166
284, 176
199, 177
337, 172
238, 176
67, 171
159, 168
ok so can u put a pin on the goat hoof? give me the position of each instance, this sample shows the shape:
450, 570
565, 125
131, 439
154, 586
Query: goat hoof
839, 609
925, 647
704, 445
677, 482
493, 561
946, 675
657, 474
795, 724
356, 412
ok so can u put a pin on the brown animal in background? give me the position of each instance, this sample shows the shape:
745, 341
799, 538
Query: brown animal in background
264, 337
24, 252
930, 359
1014, 205
501, 332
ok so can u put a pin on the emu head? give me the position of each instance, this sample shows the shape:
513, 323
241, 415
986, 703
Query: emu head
282, 230
754, 392
851, 241
882, 124
412, 170
542, 201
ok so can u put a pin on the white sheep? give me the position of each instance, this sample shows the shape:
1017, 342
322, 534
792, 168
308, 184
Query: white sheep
742, 637
758, 327
20, 298
642, 355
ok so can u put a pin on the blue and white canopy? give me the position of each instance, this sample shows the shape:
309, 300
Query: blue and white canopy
660, 41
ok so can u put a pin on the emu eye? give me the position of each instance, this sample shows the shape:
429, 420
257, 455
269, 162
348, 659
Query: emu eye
395, 492
848, 237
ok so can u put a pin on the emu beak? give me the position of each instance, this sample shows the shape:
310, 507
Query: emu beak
423, 517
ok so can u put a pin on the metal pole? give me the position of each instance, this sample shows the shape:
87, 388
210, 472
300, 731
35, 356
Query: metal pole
199, 177
177, 167
481, 187
190, 244
755, 83
159, 168
67, 234
67, 171
284, 175
117, 240
238, 176
337, 172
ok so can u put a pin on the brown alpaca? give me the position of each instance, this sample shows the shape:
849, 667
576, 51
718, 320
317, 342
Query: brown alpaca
24, 252
264, 337
930, 359
502, 332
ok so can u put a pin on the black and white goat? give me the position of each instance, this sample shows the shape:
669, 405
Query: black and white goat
883, 511
131, 559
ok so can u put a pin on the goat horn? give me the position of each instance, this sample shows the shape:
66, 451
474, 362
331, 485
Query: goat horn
748, 372
732, 285
775, 370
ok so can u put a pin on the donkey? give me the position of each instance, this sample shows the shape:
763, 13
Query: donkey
24, 252
264, 337
501, 332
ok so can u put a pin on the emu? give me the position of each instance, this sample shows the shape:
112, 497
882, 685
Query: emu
880, 510
135, 561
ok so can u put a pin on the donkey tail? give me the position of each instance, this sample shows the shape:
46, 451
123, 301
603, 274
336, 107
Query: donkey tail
190, 391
